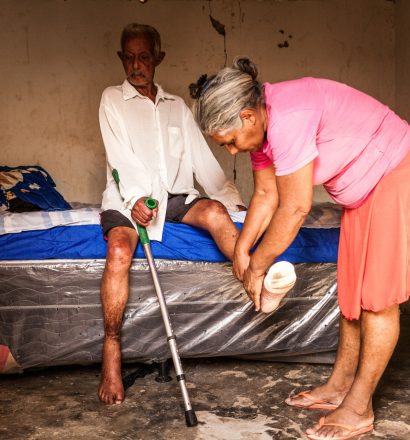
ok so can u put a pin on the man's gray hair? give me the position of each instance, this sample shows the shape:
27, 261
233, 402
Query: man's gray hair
134, 30
221, 98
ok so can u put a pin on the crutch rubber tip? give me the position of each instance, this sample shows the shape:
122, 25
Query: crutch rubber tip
190, 418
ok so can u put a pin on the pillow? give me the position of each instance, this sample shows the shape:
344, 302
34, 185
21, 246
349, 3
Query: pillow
28, 188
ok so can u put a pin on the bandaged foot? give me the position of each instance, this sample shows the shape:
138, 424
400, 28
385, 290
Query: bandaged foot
281, 277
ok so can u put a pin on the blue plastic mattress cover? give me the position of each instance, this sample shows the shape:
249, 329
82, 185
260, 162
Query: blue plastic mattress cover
180, 242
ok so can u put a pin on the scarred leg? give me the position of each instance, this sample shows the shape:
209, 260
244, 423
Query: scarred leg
122, 242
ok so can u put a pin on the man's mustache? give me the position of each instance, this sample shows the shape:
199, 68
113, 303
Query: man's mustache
135, 73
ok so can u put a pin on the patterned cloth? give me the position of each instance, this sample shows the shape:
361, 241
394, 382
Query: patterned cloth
31, 185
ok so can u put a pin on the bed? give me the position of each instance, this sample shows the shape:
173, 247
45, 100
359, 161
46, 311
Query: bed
51, 265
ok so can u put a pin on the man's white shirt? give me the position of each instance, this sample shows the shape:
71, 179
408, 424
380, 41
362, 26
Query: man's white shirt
157, 149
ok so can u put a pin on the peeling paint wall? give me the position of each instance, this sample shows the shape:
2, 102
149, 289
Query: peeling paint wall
58, 56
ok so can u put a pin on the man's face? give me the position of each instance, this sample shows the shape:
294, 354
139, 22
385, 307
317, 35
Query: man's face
139, 61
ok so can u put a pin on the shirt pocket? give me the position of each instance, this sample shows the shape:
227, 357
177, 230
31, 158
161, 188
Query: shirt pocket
175, 142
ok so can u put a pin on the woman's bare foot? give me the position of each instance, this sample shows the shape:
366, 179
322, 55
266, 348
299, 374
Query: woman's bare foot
111, 389
344, 422
316, 398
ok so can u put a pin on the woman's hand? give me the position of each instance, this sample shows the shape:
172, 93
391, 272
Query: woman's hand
253, 284
141, 214
240, 263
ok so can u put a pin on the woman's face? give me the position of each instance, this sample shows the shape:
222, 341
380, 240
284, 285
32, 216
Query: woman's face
249, 137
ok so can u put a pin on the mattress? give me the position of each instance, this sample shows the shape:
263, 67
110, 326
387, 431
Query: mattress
77, 234
50, 312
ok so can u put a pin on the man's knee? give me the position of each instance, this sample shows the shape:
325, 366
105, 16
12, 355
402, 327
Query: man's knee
214, 212
119, 255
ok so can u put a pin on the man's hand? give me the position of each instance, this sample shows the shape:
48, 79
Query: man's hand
253, 284
141, 213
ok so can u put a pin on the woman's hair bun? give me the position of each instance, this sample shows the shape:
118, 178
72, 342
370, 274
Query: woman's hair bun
247, 66
195, 89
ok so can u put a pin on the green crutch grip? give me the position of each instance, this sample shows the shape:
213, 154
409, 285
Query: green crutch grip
142, 232
116, 176
149, 203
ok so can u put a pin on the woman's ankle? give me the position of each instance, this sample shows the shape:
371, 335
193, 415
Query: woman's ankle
341, 382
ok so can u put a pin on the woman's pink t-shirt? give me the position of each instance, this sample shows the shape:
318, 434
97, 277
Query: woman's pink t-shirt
353, 139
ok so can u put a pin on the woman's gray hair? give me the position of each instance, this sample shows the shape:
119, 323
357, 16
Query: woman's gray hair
134, 30
221, 98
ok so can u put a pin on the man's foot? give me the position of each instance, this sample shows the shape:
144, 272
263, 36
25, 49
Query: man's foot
322, 397
111, 389
341, 424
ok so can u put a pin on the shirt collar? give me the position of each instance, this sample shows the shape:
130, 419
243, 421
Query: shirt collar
129, 92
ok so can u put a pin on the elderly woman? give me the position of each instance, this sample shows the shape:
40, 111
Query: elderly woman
307, 132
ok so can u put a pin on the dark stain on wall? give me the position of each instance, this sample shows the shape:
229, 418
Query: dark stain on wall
218, 26
284, 43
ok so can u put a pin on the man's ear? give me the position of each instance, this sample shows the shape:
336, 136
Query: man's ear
160, 58
248, 115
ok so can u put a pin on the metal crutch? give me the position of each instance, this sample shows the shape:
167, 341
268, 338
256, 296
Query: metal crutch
190, 416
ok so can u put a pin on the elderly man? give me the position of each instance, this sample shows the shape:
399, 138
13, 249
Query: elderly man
151, 139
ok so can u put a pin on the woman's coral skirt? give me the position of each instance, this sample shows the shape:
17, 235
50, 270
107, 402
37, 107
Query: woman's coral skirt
374, 247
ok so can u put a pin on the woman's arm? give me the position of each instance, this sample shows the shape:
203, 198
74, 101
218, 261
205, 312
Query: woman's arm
261, 209
295, 200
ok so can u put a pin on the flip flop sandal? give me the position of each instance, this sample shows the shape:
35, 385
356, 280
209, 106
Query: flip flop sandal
316, 403
353, 432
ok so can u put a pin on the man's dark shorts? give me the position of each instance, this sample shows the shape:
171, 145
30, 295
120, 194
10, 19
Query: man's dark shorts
176, 210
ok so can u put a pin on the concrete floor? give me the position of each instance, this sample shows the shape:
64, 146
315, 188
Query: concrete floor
234, 399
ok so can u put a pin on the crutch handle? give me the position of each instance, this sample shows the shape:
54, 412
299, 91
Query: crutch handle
149, 203
142, 232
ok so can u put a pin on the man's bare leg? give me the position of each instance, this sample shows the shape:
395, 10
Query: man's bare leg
122, 242
212, 216
379, 335
344, 370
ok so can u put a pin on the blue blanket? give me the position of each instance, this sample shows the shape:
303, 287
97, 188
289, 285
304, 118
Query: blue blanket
30, 184
180, 242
